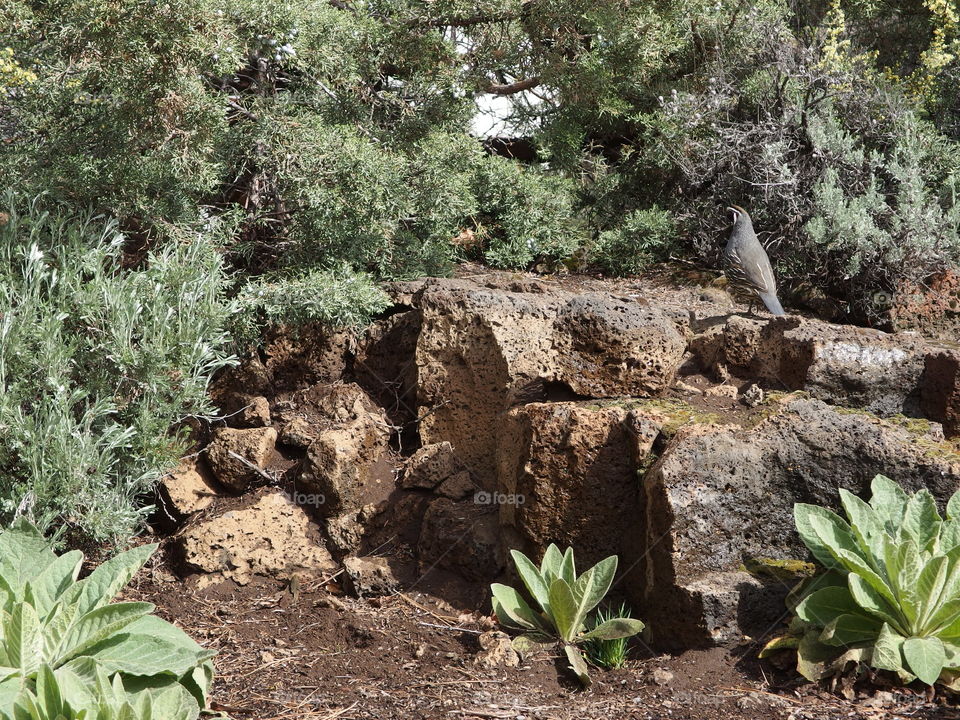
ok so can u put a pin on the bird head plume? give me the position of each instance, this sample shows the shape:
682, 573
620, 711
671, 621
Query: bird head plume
741, 218
738, 212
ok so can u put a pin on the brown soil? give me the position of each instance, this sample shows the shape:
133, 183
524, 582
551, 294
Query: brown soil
310, 652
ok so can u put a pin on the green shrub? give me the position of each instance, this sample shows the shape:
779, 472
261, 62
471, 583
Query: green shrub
644, 237
891, 594
565, 600
336, 299
525, 215
66, 650
119, 115
97, 363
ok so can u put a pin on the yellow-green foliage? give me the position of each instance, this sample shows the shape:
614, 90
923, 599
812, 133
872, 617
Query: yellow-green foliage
838, 56
942, 52
12, 73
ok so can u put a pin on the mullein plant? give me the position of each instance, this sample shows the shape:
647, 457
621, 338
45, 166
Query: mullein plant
68, 653
564, 601
890, 593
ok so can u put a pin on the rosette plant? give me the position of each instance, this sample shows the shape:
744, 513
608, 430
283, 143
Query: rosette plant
564, 600
891, 595
68, 653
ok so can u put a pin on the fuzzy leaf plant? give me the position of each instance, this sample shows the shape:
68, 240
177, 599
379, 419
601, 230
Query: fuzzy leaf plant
564, 601
890, 596
67, 651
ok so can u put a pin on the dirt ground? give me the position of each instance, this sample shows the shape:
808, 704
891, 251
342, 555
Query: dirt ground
311, 652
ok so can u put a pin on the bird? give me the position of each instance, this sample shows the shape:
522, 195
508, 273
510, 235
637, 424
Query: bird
747, 263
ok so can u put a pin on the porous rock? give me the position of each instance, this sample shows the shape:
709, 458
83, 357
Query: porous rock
370, 576
940, 397
186, 489
344, 460
273, 537
458, 487
461, 536
483, 350
843, 365
345, 532
429, 466
567, 474
719, 494
496, 650
255, 445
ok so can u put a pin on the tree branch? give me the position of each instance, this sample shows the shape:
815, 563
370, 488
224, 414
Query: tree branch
514, 87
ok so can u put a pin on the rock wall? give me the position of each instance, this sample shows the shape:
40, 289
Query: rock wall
482, 415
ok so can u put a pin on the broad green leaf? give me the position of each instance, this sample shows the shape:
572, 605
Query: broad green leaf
578, 664
951, 587
889, 501
953, 506
925, 657
822, 606
58, 623
837, 537
54, 579
512, 610
865, 572
875, 604
9, 689
77, 681
550, 565
199, 682
568, 568
887, 651
910, 569
162, 695
813, 655
614, 629
594, 585
23, 639
891, 561
929, 587
532, 580
98, 625
830, 578
850, 629
7, 595
921, 518
946, 620
24, 553
952, 651
103, 584
171, 703
48, 692
136, 654
949, 535
802, 513
867, 529
564, 607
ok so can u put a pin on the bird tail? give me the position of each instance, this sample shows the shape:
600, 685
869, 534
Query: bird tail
773, 305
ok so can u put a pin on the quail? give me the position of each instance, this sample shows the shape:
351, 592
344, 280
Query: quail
747, 263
